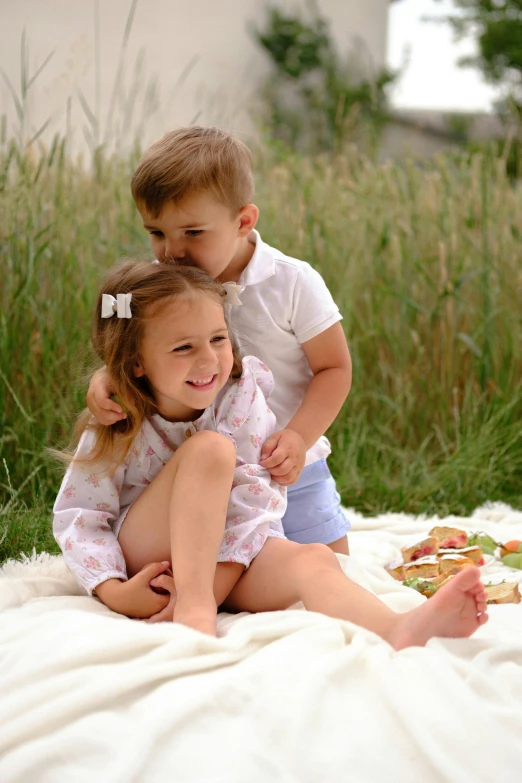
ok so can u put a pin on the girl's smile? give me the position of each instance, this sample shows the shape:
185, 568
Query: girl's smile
186, 355
203, 384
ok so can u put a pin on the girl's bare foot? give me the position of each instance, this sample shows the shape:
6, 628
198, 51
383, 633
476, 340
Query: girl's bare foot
200, 616
455, 611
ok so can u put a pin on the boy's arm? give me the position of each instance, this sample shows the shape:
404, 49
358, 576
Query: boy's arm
99, 402
329, 358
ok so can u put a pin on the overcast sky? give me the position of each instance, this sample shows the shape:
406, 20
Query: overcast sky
432, 79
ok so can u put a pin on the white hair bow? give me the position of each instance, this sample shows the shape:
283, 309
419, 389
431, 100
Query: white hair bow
119, 305
231, 292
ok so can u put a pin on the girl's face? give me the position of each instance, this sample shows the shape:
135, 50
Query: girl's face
186, 356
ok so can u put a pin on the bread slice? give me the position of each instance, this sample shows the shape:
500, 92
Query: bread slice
449, 562
451, 571
396, 569
474, 553
425, 568
503, 593
449, 537
425, 548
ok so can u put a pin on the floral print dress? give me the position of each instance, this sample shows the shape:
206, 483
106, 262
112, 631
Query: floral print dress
91, 507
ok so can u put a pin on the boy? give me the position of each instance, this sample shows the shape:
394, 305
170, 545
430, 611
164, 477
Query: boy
194, 191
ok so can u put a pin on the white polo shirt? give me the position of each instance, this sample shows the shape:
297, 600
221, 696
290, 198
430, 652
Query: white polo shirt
285, 302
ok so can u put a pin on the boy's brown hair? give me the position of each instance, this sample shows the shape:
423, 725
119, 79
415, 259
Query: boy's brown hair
117, 342
194, 159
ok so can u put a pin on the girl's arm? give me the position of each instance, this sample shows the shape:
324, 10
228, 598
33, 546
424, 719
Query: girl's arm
86, 508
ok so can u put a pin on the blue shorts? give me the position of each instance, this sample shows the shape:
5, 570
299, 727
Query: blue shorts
314, 514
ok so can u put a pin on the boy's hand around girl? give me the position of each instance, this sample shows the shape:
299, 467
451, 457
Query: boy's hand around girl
99, 402
283, 454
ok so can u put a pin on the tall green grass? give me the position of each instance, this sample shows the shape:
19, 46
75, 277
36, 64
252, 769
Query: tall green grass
424, 261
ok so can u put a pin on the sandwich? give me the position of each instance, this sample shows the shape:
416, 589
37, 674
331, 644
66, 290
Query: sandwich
424, 568
425, 548
396, 569
449, 537
503, 593
474, 553
449, 562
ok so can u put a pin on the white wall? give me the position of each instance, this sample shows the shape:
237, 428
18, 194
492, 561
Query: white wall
209, 37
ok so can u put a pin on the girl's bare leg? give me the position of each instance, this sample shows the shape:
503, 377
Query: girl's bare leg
284, 573
180, 517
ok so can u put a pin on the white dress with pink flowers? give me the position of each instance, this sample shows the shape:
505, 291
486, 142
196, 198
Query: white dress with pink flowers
91, 508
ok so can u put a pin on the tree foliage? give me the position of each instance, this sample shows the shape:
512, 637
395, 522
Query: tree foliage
497, 27
317, 98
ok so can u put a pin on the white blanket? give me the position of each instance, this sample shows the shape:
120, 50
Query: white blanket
87, 695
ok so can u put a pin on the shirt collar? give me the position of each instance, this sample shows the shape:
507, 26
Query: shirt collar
262, 264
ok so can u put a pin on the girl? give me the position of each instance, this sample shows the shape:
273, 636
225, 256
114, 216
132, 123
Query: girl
178, 481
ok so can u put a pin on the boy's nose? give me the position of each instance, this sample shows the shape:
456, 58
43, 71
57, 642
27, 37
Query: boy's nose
174, 250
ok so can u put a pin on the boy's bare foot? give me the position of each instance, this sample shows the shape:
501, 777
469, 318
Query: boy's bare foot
455, 611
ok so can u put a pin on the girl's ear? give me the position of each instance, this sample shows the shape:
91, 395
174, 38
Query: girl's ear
138, 370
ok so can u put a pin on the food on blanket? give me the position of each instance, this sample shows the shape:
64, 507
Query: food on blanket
451, 571
426, 547
449, 562
503, 593
511, 547
449, 537
424, 567
396, 569
423, 586
473, 552
485, 542
513, 560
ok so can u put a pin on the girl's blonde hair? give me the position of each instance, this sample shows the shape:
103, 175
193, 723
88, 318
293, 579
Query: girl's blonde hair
117, 342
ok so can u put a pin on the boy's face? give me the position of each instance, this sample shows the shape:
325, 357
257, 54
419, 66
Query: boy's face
202, 232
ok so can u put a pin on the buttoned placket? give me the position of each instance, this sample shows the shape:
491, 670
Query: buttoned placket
190, 431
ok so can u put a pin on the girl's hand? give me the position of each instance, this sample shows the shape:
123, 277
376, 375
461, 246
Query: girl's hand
284, 455
136, 597
99, 402
164, 582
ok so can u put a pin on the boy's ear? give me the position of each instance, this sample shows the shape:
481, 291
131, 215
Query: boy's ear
248, 216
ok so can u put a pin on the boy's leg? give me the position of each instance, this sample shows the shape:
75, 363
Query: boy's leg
284, 573
181, 517
314, 514
340, 547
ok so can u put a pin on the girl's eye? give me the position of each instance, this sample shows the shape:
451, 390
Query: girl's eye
156, 233
194, 232
181, 349
219, 338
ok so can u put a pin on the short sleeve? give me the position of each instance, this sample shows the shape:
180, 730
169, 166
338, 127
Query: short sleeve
313, 307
